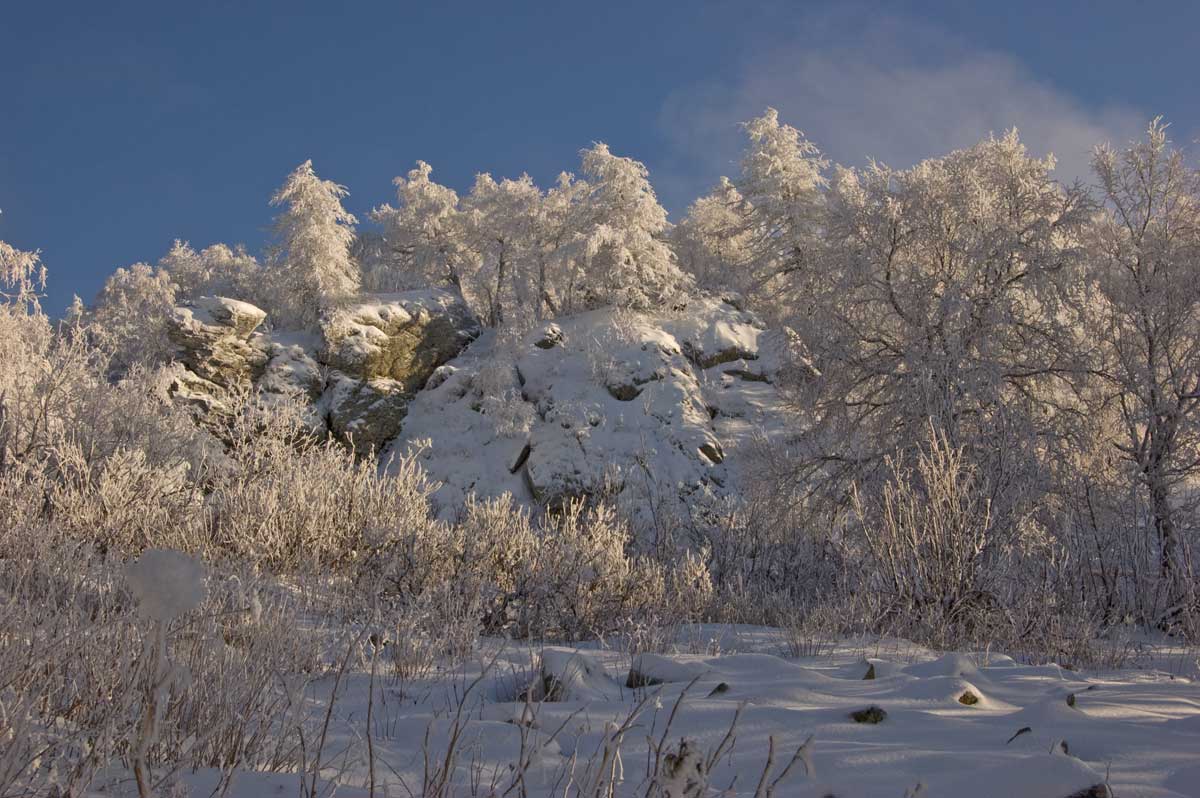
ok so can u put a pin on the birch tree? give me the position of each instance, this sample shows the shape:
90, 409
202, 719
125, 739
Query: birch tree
1145, 255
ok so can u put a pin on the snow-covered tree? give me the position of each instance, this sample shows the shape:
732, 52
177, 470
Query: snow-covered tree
215, 270
498, 223
1144, 252
22, 275
622, 257
423, 236
761, 234
312, 256
554, 231
943, 304
129, 316
714, 241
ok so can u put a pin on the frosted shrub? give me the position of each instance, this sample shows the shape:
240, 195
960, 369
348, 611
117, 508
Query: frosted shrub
497, 389
288, 500
936, 556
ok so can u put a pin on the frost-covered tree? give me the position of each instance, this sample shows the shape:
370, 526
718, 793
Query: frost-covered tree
423, 236
1145, 258
312, 256
215, 270
782, 181
761, 234
943, 304
554, 234
622, 257
714, 240
129, 316
22, 275
498, 225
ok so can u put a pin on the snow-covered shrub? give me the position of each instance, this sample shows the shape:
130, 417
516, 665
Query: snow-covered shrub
288, 501
936, 558
129, 317
76, 624
217, 270
497, 388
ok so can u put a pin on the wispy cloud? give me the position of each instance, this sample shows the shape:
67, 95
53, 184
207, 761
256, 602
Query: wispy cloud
890, 89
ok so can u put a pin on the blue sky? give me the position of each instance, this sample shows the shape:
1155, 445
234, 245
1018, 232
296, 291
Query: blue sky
124, 125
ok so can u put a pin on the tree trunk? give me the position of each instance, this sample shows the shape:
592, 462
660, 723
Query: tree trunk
1164, 524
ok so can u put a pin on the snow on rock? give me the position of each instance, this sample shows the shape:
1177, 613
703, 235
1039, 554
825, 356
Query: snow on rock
365, 413
204, 399
355, 379
292, 370
570, 675
381, 352
630, 404
214, 337
401, 337
166, 583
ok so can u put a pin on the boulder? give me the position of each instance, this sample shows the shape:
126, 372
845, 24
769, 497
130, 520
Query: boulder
398, 337
365, 414
291, 371
556, 467
205, 400
215, 339
293, 378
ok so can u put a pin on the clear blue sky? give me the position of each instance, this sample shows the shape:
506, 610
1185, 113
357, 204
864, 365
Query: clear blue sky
124, 125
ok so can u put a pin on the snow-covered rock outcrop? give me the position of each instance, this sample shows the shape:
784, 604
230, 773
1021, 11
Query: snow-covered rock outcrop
643, 406
400, 337
357, 376
381, 352
215, 339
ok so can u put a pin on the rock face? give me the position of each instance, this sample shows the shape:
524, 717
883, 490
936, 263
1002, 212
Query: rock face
365, 413
400, 337
216, 341
629, 405
382, 352
355, 379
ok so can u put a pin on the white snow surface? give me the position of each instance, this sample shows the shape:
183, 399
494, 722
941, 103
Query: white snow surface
669, 400
1137, 730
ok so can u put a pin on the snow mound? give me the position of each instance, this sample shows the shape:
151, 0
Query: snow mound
639, 406
947, 665
651, 669
1042, 776
569, 675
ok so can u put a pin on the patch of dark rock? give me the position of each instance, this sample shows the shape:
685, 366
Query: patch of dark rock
712, 452
552, 337
521, 458
1019, 732
968, 698
625, 392
871, 714
1095, 791
749, 376
638, 679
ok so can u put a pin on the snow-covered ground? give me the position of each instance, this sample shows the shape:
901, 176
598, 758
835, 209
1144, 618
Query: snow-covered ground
591, 727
